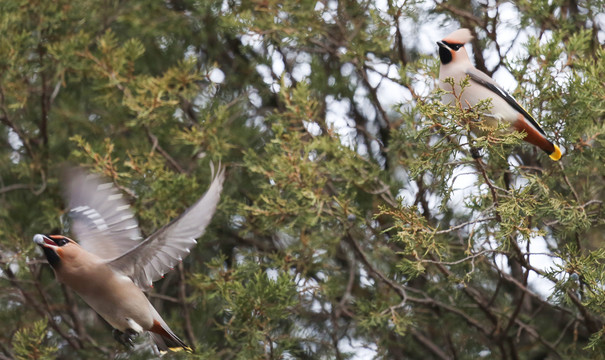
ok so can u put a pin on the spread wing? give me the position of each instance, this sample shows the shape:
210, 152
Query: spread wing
160, 252
100, 218
485, 81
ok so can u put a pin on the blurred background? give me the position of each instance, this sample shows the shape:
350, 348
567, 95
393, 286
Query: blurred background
354, 222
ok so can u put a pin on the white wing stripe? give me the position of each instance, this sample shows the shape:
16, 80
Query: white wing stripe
114, 197
80, 208
92, 213
96, 207
104, 186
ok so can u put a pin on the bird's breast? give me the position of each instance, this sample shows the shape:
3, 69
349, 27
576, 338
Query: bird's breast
120, 302
112, 295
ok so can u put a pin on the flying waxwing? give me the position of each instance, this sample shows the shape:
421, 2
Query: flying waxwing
111, 267
456, 64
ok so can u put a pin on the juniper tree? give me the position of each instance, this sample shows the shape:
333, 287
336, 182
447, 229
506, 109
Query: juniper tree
355, 223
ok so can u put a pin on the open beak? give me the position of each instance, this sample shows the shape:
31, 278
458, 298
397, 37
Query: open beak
45, 241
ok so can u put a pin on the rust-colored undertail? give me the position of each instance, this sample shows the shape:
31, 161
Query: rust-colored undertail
534, 137
166, 340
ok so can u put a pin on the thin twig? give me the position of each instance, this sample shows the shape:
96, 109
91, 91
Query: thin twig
428, 344
39, 308
184, 305
364, 259
459, 226
471, 257
573, 190
156, 146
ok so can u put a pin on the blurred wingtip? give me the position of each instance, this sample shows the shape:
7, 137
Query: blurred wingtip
217, 172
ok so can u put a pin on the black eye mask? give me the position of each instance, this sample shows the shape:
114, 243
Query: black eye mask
454, 47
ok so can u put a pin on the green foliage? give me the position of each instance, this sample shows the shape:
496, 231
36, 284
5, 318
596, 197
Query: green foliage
348, 226
255, 298
32, 342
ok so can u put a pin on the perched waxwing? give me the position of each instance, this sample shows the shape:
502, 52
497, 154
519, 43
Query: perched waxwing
112, 266
456, 64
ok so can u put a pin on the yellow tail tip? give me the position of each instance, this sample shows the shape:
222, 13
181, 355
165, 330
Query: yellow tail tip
183, 348
555, 155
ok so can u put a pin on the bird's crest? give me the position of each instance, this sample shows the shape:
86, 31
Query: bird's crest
460, 36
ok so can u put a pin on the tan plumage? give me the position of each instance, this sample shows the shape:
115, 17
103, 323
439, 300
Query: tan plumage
455, 64
112, 265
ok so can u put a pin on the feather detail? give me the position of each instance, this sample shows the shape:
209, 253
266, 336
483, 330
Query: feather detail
537, 138
460, 36
150, 259
555, 155
166, 340
102, 221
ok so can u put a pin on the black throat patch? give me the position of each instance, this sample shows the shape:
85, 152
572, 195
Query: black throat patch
53, 259
445, 55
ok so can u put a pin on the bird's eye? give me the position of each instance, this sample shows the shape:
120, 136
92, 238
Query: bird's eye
61, 242
452, 46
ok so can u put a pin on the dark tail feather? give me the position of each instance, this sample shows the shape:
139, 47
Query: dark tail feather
166, 340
